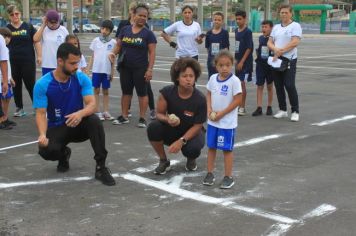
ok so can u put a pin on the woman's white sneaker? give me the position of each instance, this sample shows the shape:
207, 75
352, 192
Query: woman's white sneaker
294, 117
281, 114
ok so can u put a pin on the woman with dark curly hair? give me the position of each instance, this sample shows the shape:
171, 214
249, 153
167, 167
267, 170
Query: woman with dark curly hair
181, 112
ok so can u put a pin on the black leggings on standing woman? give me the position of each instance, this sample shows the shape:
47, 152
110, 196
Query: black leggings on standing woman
26, 72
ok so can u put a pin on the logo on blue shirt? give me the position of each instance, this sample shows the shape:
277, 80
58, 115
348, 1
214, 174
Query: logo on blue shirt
224, 90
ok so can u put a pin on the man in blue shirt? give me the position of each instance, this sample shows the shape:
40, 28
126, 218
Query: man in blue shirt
62, 117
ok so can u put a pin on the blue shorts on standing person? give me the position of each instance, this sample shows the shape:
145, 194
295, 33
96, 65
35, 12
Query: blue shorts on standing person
244, 76
101, 79
222, 139
9, 93
263, 74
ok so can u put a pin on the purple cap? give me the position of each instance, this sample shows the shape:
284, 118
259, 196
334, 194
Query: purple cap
52, 15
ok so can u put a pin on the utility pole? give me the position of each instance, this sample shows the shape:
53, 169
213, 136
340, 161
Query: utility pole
172, 9
107, 10
26, 10
70, 16
200, 13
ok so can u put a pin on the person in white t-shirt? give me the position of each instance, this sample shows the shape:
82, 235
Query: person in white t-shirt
188, 32
73, 39
102, 68
223, 98
283, 41
51, 34
4, 58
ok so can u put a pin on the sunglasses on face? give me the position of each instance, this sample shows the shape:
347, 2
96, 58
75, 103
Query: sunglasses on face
15, 14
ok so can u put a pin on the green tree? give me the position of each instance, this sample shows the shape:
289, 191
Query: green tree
44, 4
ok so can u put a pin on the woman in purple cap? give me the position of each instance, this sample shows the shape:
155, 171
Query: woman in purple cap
51, 35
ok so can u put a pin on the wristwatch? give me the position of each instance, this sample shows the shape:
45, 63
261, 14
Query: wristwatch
184, 141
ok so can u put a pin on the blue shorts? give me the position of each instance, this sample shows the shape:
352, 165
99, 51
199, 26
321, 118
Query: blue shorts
9, 93
46, 70
244, 76
222, 139
263, 74
101, 79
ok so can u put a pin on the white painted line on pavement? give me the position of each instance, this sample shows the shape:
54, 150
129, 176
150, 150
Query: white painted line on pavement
329, 122
18, 145
322, 210
152, 167
278, 229
329, 56
326, 68
258, 140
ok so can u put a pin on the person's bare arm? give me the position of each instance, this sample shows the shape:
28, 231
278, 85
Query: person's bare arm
41, 121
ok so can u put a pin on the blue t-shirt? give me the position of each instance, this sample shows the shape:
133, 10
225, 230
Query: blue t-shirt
215, 42
262, 51
61, 99
135, 46
243, 41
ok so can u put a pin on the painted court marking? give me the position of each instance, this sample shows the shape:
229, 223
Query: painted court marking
329, 122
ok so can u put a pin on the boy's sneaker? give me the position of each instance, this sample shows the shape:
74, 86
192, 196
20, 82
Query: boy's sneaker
19, 112
242, 111
162, 167
294, 117
63, 164
153, 114
5, 126
258, 112
191, 165
227, 182
269, 111
281, 114
142, 123
10, 122
100, 116
107, 116
120, 120
209, 179
103, 174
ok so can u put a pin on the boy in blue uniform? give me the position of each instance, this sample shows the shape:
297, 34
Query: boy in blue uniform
216, 39
243, 55
4, 58
263, 70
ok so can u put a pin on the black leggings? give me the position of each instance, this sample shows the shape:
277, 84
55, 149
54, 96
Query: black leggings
26, 72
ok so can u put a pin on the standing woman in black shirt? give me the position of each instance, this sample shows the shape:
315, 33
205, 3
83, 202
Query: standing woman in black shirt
22, 56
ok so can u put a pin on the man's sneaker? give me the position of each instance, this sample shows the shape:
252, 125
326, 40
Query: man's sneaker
107, 116
294, 117
153, 114
162, 167
63, 164
258, 112
227, 182
269, 111
242, 111
191, 165
10, 122
5, 126
120, 120
209, 179
142, 123
100, 116
281, 114
19, 112
103, 174
129, 114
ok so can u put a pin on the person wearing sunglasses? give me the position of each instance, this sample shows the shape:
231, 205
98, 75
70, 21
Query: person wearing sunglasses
22, 56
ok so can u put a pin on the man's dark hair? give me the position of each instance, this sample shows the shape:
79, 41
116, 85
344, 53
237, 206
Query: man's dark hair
218, 13
107, 24
240, 12
65, 49
289, 7
181, 65
267, 22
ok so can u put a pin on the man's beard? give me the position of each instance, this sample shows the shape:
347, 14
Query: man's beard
67, 72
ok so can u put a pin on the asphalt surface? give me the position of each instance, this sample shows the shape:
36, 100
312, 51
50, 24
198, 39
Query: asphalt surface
291, 178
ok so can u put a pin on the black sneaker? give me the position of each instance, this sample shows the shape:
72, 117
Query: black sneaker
5, 126
162, 167
103, 174
120, 120
209, 179
142, 123
258, 112
63, 164
227, 182
269, 111
191, 165
10, 122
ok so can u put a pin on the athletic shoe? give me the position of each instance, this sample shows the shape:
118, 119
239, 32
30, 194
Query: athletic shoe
294, 117
191, 165
142, 123
5, 126
129, 114
227, 182
242, 111
10, 122
153, 114
100, 116
107, 116
281, 114
63, 164
19, 112
209, 179
269, 111
120, 120
162, 167
258, 112
103, 174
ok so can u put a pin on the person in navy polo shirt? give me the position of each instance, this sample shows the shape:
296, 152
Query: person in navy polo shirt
62, 118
